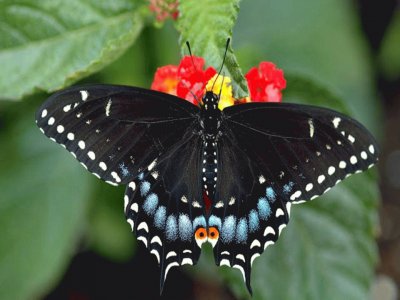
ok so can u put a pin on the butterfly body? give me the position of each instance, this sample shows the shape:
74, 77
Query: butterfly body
253, 161
210, 122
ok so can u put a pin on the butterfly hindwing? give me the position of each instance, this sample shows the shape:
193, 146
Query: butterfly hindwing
271, 156
114, 130
164, 206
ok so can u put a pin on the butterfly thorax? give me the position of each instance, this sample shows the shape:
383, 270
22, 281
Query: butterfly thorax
210, 123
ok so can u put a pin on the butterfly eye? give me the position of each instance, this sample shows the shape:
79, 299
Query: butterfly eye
200, 236
213, 235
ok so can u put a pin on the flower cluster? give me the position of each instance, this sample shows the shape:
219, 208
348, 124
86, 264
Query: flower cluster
164, 9
189, 81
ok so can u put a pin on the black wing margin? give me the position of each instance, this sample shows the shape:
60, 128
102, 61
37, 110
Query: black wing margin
271, 156
115, 131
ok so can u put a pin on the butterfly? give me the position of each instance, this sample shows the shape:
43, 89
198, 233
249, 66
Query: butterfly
196, 174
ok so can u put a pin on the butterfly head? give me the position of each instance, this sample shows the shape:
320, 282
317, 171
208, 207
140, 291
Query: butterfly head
210, 100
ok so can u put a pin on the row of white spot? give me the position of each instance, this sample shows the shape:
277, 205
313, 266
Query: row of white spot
331, 171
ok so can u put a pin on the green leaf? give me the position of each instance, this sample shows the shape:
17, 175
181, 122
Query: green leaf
317, 39
207, 25
109, 233
47, 45
305, 90
389, 57
43, 203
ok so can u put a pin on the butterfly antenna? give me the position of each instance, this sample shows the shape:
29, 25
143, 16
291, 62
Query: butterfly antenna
223, 61
191, 55
220, 91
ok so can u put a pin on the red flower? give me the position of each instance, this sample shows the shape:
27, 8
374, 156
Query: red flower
185, 79
188, 79
265, 83
164, 9
192, 78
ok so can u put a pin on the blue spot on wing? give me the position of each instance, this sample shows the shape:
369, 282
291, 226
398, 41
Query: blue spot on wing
150, 204
171, 230
228, 229
160, 216
144, 188
241, 231
254, 221
288, 187
185, 228
214, 221
124, 170
271, 195
264, 209
199, 222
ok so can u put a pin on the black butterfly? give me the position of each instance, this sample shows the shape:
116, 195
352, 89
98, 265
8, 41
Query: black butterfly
253, 161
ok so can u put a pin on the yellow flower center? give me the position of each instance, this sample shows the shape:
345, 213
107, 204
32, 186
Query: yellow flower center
222, 86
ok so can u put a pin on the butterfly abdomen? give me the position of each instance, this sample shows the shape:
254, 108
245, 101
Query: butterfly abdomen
210, 167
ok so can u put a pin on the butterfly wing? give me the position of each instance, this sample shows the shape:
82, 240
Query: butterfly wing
164, 206
115, 131
147, 140
271, 156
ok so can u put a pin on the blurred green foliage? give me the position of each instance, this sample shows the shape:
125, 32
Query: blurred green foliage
49, 204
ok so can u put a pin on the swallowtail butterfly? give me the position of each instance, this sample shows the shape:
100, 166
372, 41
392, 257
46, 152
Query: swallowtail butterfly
253, 161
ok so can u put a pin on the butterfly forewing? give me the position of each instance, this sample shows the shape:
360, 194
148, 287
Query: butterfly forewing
115, 131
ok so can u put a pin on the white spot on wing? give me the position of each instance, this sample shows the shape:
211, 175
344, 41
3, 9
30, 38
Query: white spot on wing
351, 138
219, 204
156, 254
91, 155
309, 187
281, 228
44, 113
336, 122
108, 107
342, 164
171, 253
51, 121
225, 262
70, 136
255, 243
321, 179
364, 155
130, 221
279, 212
261, 179
241, 257
115, 176
371, 149
269, 230
84, 95
311, 124
81, 144
60, 129
143, 226
135, 207
67, 108
353, 160
152, 165
156, 239
103, 165
331, 170
169, 267
295, 195
187, 261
